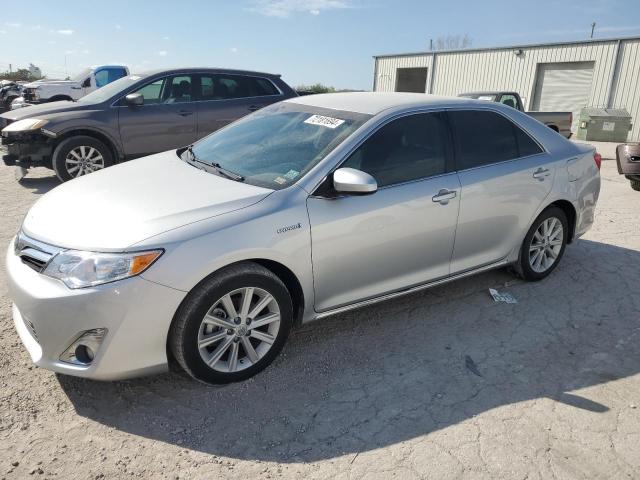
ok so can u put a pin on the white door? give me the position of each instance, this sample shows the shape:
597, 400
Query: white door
563, 87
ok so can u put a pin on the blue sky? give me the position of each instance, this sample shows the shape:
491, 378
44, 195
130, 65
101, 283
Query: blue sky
307, 41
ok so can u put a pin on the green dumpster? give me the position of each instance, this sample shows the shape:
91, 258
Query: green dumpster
604, 124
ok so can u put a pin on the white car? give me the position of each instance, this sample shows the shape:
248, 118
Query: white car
86, 81
211, 253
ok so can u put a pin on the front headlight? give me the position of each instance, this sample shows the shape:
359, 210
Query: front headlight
79, 269
25, 125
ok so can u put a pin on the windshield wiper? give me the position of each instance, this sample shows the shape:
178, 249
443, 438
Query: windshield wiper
216, 166
228, 173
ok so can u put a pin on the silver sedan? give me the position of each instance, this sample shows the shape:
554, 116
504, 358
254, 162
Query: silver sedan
207, 256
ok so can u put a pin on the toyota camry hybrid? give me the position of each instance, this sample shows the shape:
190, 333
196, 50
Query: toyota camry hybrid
208, 255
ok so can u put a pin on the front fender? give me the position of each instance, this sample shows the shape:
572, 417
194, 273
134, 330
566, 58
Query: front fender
258, 232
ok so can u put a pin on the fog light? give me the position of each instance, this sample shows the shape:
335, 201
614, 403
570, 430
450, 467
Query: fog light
85, 347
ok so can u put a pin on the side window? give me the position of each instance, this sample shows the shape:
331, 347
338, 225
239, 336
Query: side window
409, 148
261, 87
206, 88
108, 75
526, 145
152, 92
510, 101
485, 137
116, 73
223, 87
177, 90
102, 78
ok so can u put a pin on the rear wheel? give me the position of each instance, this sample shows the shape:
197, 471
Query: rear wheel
543, 245
635, 184
80, 155
233, 325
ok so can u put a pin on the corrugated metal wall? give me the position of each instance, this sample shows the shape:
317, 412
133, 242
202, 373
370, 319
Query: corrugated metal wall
626, 88
502, 69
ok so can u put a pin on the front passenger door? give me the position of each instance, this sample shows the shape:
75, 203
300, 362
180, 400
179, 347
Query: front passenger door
165, 121
398, 237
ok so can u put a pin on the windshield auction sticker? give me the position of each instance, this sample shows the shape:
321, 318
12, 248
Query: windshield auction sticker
328, 122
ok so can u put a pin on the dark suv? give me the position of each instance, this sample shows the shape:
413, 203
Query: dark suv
134, 116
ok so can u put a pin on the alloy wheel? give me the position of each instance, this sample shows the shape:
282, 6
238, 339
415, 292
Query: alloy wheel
83, 160
546, 244
239, 329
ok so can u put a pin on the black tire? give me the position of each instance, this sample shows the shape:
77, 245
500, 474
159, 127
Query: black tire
187, 322
66, 146
635, 184
524, 267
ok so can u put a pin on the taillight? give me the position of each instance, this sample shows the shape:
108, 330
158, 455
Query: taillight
598, 159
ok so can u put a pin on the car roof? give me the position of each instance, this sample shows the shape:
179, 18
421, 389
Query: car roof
207, 70
373, 103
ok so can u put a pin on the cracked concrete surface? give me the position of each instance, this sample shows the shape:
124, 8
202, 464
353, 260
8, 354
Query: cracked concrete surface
381, 392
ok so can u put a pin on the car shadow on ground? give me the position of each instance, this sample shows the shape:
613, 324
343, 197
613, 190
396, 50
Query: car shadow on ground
40, 185
403, 369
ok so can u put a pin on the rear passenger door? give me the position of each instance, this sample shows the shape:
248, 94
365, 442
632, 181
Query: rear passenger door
225, 98
505, 176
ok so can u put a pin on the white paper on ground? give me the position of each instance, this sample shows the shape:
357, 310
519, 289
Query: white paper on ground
502, 297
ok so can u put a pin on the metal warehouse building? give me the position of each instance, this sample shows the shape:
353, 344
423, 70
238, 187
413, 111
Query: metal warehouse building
549, 77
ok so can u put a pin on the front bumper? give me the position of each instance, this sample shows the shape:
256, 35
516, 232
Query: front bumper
48, 316
27, 149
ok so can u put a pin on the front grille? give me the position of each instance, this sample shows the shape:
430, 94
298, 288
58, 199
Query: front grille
29, 94
33, 253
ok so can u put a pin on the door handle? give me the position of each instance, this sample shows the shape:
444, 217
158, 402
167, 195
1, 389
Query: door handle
253, 108
443, 196
184, 113
541, 173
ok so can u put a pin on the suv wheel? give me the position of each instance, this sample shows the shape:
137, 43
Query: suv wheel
80, 155
544, 245
232, 325
635, 184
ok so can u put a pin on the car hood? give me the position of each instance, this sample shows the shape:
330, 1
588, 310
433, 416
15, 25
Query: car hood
45, 83
45, 109
112, 209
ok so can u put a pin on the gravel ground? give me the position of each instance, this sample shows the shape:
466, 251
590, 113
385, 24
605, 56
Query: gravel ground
441, 384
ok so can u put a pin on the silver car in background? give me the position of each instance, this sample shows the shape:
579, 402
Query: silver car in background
209, 255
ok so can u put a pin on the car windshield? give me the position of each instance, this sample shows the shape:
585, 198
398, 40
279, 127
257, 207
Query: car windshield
105, 93
82, 75
277, 145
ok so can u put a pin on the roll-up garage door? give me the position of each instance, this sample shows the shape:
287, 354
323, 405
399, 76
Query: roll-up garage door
411, 80
563, 87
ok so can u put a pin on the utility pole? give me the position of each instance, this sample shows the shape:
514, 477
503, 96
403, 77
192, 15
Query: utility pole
431, 44
593, 27
9, 68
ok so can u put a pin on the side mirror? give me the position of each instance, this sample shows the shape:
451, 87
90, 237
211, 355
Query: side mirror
86, 83
134, 99
350, 180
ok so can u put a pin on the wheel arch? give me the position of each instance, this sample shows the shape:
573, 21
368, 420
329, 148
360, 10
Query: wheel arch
570, 211
58, 98
103, 137
284, 273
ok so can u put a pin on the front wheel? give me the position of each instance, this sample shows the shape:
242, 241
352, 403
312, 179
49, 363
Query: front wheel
232, 325
635, 184
543, 245
80, 155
